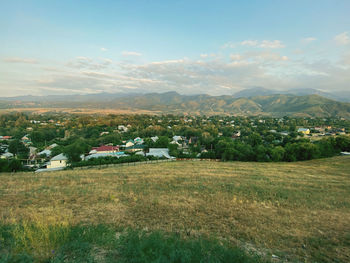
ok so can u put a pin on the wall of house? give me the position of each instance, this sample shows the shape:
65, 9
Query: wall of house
57, 164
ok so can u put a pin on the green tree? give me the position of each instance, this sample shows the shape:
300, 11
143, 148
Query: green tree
73, 151
277, 153
17, 148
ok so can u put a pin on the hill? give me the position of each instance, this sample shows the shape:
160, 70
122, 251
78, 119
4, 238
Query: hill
172, 102
297, 211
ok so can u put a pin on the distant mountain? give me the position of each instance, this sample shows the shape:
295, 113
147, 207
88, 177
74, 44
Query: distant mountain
172, 102
253, 92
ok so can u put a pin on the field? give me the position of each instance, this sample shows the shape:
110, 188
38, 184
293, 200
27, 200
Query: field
89, 111
294, 211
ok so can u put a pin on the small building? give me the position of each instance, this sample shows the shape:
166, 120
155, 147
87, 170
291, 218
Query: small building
45, 152
59, 161
135, 148
5, 138
129, 143
154, 138
177, 138
138, 140
102, 155
159, 152
104, 149
305, 131
6, 155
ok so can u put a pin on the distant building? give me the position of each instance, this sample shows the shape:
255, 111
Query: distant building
101, 155
59, 161
135, 148
129, 143
138, 140
6, 155
159, 152
5, 138
155, 138
104, 149
305, 131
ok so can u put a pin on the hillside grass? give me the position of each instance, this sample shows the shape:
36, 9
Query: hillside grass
298, 211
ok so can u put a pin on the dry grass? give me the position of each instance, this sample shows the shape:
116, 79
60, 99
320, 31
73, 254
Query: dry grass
90, 111
295, 210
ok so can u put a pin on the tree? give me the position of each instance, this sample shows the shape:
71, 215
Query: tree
162, 142
15, 165
277, 153
17, 148
76, 149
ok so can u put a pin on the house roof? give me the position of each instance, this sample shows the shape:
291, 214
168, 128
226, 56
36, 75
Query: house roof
99, 155
136, 146
105, 148
177, 138
159, 152
59, 157
303, 129
47, 152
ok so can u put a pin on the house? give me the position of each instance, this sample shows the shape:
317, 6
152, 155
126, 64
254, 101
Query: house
177, 138
52, 146
305, 131
135, 148
59, 161
122, 128
25, 140
138, 140
155, 138
284, 133
46, 152
129, 143
5, 138
104, 133
104, 149
6, 155
101, 155
159, 152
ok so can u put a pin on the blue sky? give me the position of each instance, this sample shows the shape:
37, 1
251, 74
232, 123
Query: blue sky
64, 47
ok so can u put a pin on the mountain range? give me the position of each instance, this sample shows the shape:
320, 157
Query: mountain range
247, 102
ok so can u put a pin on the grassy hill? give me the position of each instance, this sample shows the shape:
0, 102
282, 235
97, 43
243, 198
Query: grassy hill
297, 211
172, 102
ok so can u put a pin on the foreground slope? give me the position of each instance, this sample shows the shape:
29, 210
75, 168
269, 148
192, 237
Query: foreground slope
294, 210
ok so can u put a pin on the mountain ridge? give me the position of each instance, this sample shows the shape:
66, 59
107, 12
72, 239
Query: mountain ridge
172, 102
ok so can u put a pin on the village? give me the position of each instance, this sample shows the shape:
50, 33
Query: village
54, 142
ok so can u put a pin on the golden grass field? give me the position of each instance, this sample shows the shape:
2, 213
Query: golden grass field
90, 111
298, 211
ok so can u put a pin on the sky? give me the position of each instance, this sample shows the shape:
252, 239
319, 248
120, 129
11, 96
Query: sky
213, 47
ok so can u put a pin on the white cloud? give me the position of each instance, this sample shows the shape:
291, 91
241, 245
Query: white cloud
229, 45
131, 53
263, 43
271, 44
88, 63
308, 40
342, 39
21, 60
103, 49
204, 55
251, 43
235, 57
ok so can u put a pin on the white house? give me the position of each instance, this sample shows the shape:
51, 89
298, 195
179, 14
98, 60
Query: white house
129, 143
59, 161
6, 155
155, 138
159, 152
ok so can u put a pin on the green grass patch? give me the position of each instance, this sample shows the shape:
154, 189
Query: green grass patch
103, 243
